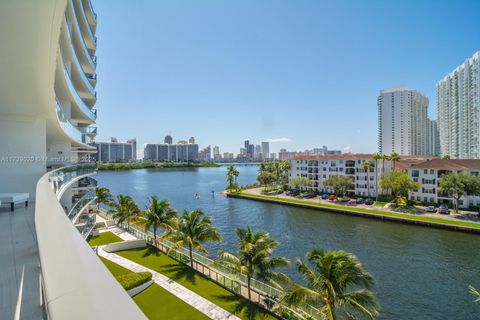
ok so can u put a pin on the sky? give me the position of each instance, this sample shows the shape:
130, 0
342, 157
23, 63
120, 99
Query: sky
299, 73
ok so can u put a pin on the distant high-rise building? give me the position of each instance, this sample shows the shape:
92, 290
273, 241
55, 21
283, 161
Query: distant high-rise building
458, 110
433, 138
273, 156
216, 153
168, 139
402, 121
227, 156
115, 151
191, 140
257, 154
185, 152
324, 151
206, 154
266, 149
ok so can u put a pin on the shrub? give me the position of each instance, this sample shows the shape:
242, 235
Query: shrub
134, 279
99, 225
385, 198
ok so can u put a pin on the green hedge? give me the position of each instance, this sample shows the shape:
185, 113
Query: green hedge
134, 279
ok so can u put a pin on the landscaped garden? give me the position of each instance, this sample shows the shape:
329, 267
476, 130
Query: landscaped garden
152, 258
103, 239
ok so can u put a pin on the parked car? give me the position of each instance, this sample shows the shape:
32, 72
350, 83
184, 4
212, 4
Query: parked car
443, 210
293, 193
309, 195
431, 209
332, 197
324, 196
360, 200
369, 202
345, 199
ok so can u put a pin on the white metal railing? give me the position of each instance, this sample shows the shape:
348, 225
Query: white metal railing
75, 283
262, 293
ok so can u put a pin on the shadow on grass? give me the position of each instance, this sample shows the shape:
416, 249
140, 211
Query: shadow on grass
150, 251
179, 272
246, 308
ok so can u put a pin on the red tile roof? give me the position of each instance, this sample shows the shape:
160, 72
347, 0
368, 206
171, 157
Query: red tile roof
343, 156
444, 164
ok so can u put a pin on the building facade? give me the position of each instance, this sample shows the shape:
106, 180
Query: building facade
266, 149
429, 174
115, 151
319, 169
184, 152
433, 138
402, 121
458, 110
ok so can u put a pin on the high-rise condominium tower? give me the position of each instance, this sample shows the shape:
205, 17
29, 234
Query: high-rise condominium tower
458, 110
47, 115
402, 121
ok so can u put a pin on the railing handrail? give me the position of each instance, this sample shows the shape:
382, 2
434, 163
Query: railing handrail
76, 284
258, 286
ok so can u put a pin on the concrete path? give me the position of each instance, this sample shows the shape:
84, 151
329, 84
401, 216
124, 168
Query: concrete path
201, 304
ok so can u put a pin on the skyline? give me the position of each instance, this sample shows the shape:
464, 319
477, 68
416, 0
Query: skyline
271, 68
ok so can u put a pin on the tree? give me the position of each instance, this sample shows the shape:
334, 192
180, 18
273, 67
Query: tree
157, 214
384, 157
459, 184
337, 283
103, 195
339, 184
300, 182
235, 173
193, 230
394, 157
446, 157
230, 176
124, 209
284, 168
399, 182
376, 156
254, 258
367, 166
265, 178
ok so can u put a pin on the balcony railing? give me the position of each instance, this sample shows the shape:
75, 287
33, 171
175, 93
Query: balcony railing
61, 177
66, 125
74, 282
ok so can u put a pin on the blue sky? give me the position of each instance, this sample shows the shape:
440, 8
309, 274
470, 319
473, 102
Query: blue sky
306, 73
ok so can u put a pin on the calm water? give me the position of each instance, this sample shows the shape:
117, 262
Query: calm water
420, 273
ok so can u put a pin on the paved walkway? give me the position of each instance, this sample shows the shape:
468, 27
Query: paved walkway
201, 304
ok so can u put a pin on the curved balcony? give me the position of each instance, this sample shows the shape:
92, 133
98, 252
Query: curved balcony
90, 39
62, 178
87, 60
70, 130
91, 15
74, 282
89, 115
86, 79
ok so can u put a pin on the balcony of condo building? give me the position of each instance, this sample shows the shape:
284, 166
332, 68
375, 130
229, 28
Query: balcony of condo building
47, 122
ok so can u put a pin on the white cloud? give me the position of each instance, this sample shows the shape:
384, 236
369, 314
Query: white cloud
283, 139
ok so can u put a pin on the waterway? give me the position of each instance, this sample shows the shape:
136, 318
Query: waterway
420, 273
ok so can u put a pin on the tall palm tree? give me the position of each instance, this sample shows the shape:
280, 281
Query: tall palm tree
230, 175
254, 258
192, 231
103, 195
236, 173
124, 209
376, 156
367, 166
394, 157
337, 283
157, 214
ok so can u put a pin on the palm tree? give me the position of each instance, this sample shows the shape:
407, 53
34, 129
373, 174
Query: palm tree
124, 209
394, 157
254, 258
376, 156
384, 157
157, 214
367, 166
103, 195
231, 175
236, 173
334, 283
474, 292
194, 229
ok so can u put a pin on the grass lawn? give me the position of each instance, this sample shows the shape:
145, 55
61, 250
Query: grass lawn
155, 260
367, 211
103, 239
158, 303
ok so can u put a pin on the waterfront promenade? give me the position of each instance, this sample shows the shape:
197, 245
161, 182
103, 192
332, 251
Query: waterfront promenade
456, 222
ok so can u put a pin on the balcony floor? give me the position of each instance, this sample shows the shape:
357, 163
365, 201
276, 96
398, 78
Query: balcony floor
19, 251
